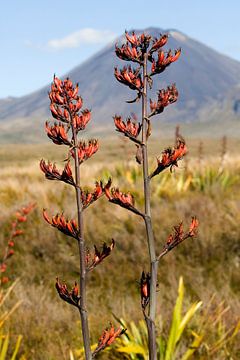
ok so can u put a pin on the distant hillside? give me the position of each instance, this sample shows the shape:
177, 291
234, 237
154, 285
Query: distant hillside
204, 78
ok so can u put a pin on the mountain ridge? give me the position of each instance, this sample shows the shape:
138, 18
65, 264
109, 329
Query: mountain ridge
203, 76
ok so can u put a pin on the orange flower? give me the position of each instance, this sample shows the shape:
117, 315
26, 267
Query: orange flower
57, 133
52, 173
129, 77
80, 121
129, 128
68, 227
117, 197
165, 97
127, 53
107, 338
158, 43
170, 157
163, 61
89, 197
86, 150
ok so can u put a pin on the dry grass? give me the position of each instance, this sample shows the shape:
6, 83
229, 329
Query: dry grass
209, 264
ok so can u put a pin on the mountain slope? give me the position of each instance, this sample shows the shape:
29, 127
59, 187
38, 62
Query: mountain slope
202, 75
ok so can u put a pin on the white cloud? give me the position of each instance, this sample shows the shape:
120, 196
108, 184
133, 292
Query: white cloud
80, 37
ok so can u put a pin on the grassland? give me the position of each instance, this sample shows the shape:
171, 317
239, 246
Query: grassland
204, 187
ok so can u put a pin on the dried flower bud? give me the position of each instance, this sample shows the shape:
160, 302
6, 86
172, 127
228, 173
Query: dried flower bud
145, 289
93, 260
72, 297
68, 227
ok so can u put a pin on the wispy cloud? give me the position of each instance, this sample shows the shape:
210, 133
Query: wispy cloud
81, 37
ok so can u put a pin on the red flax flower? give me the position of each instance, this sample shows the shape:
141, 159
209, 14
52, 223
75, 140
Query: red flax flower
72, 297
128, 53
68, 227
117, 197
93, 260
20, 217
145, 289
107, 338
170, 157
89, 197
124, 200
128, 128
80, 121
133, 39
163, 61
158, 43
178, 236
129, 77
57, 133
64, 95
86, 150
165, 97
52, 173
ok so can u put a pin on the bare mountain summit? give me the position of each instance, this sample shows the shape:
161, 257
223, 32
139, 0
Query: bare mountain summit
203, 77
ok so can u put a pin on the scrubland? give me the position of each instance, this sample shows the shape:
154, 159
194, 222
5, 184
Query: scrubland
204, 186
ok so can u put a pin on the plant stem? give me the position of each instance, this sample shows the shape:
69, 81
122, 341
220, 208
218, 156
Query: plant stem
150, 319
81, 248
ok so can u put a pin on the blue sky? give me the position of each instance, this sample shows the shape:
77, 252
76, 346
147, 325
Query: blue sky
39, 38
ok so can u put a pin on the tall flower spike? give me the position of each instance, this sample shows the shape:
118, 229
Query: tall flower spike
128, 128
165, 97
170, 157
68, 227
107, 338
163, 61
86, 150
98, 256
72, 297
57, 133
52, 173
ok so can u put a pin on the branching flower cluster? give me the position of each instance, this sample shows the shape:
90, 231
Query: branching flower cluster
66, 108
147, 52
